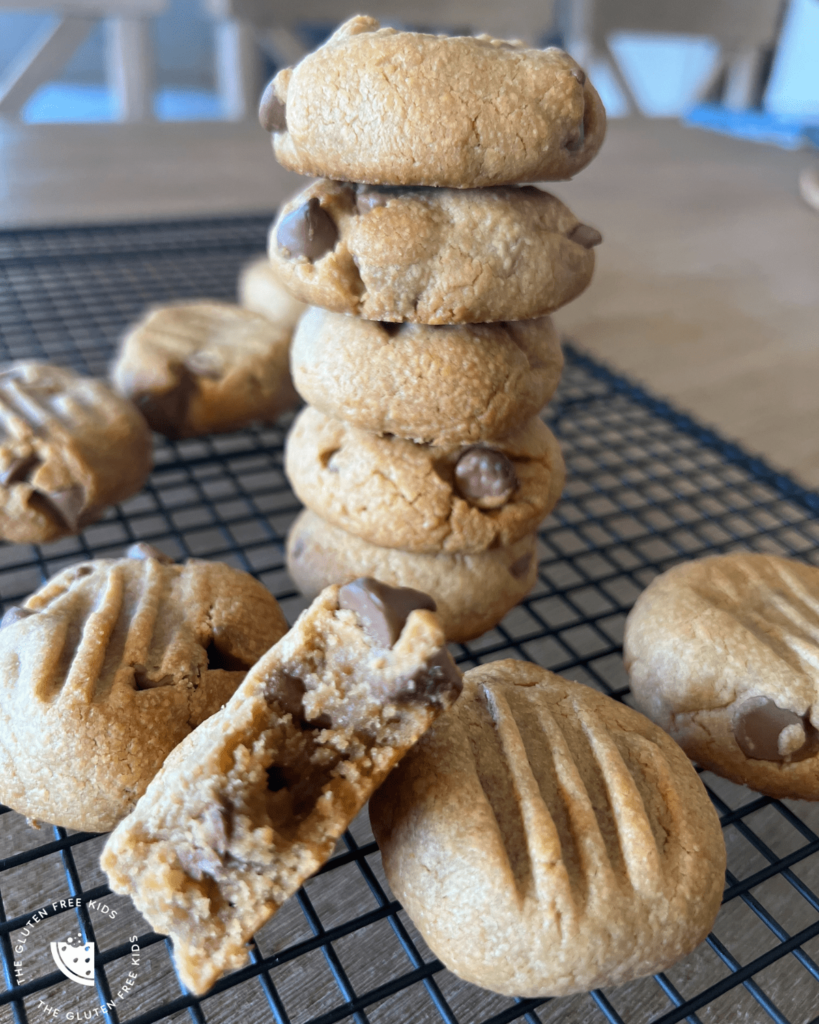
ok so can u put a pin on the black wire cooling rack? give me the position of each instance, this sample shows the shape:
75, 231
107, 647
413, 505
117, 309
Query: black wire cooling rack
646, 487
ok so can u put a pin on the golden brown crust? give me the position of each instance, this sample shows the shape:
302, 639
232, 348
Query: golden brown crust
546, 839
70, 447
713, 633
441, 385
472, 592
116, 661
439, 256
404, 108
398, 494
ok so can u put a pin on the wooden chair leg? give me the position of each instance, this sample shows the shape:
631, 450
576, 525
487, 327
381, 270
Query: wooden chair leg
130, 65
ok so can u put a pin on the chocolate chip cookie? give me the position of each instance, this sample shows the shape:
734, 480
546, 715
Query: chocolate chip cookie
723, 653
252, 803
69, 447
399, 494
260, 288
547, 840
441, 385
472, 592
405, 108
205, 367
432, 255
107, 667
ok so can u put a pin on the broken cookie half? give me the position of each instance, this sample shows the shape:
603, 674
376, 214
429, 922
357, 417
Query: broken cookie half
252, 802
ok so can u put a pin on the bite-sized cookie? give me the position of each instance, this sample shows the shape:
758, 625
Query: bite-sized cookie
205, 368
407, 108
68, 448
546, 839
441, 385
472, 592
260, 288
253, 802
399, 494
432, 255
108, 666
723, 653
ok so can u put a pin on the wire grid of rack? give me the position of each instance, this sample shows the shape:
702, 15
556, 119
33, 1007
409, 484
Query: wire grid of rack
646, 488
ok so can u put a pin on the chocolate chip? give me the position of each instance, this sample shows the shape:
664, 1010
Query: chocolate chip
769, 733
15, 614
19, 469
167, 410
143, 550
308, 231
287, 691
520, 567
369, 200
64, 506
585, 236
580, 75
438, 677
197, 863
485, 477
272, 112
575, 141
383, 610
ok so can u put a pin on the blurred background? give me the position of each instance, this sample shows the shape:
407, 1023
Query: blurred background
706, 284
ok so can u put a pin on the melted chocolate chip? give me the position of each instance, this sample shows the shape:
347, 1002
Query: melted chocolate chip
307, 231
143, 550
166, 412
19, 469
272, 112
520, 567
575, 141
15, 614
586, 236
759, 726
66, 507
369, 200
439, 676
580, 75
383, 610
485, 476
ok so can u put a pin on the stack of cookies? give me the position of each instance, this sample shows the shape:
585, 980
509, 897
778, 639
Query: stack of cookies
428, 353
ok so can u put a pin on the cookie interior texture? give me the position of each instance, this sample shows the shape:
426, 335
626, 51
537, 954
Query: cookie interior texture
546, 839
723, 653
252, 803
107, 667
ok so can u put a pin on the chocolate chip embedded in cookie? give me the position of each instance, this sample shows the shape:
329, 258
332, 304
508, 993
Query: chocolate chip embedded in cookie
433, 256
593, 855
108, 666
252, 803
441, 385
723, 653
472, 593
205, 367
399, 494
405, 108
70, 447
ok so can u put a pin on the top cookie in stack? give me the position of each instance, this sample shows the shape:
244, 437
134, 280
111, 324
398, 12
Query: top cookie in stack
435, 272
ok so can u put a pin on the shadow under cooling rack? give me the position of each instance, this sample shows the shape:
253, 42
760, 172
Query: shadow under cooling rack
646, 488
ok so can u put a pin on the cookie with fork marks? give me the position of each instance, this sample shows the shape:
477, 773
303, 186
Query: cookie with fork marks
252, 803
68, 448
110, 665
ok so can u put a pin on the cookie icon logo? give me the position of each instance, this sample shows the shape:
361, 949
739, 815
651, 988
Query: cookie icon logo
75, 959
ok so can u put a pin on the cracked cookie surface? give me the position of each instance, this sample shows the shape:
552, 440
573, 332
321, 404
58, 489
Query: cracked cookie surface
546, 839
252, 803
406, 108
107, 667
472, 592
205, 367
399, 494
433, 256
69, 447
723, 653
441, 385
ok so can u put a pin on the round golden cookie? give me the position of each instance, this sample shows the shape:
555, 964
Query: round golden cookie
441, 385
723, 653
107, 667
406, 108
432, 255
546, 839
68, 448
472, 592
261, 290
205, 368
399, 494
